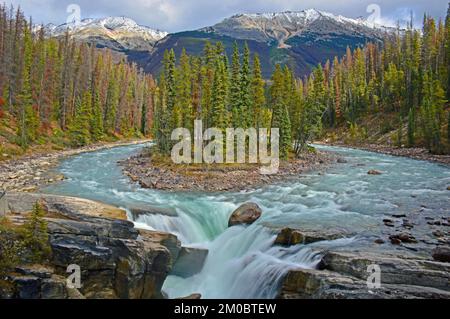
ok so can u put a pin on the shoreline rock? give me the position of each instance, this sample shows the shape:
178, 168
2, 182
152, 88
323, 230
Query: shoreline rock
344, 275
420, 154
116, 260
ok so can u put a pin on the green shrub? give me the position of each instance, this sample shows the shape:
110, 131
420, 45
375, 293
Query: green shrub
36, 235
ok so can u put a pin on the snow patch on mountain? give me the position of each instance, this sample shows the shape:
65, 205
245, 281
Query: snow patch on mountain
281, 26
125, 32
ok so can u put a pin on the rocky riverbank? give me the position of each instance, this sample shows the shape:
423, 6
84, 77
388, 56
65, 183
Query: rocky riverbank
115, 259
29, 173
414, 153
164, 175
410, 268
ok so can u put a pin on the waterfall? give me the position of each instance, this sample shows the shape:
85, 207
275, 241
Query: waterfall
242, 261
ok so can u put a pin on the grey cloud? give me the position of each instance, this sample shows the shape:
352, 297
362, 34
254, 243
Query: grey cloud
179, 15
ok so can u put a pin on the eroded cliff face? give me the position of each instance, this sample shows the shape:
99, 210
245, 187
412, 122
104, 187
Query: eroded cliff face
116, 260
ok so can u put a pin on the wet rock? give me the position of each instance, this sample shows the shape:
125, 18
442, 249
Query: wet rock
342, 161
374, 172
403, 238
395, 241
388, 222
246, 214
38, 271
27, 286
137, 212
191, 297
379, 241
442, 254
438, 234
399, 216
291, 237
398, 268
448, 188
315, 284
407, 225
190, 262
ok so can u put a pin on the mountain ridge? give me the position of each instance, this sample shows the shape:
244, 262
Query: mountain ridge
300, 39
119, 33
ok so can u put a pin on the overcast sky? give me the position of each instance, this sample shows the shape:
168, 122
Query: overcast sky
180, 15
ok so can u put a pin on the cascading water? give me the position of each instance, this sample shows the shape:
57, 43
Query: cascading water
242, 261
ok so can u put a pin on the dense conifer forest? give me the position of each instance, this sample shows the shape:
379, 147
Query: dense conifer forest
66, 93
73, 94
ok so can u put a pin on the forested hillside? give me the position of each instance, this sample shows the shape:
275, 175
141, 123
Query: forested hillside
402, 83
402, 87
64, 93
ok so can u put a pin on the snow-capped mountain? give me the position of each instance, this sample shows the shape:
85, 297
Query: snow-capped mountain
117, 33
300, 39
282, 26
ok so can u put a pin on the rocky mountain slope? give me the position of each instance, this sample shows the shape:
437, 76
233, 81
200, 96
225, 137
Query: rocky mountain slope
280, 27
300, 39
117, 33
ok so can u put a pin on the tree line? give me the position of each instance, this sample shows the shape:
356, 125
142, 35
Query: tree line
60, 88
406, 77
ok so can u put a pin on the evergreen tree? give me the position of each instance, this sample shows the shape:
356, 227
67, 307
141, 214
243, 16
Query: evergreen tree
447, 50
96, 119
36, 235
258, 94
235, 89
79, 129
245, 89
280, 116
411, 127
184, 94
219, 114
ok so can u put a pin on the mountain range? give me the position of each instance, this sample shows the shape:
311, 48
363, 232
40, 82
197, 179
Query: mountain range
299, 39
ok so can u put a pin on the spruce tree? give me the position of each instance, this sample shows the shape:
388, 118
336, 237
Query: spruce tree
219, 114
79, 129
96, 119
447, 50
280, 116
245, 89
36, 235
258, 94
411, 127
235, 89
184, 94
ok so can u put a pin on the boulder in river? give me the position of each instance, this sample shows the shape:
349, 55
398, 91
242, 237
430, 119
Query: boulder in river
374, 172
246, 214
190, 262
442, 254
403, 238
291, 237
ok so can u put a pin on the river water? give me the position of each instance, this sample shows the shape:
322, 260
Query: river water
242, 261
